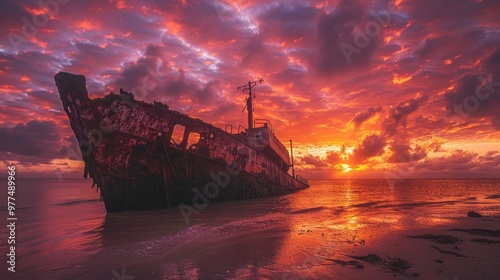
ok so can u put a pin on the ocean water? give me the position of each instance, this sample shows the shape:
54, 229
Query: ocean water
63, 231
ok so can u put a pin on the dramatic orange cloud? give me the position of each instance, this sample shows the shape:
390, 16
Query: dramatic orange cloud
366, 89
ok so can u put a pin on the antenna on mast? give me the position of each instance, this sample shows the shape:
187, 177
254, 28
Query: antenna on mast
249, 87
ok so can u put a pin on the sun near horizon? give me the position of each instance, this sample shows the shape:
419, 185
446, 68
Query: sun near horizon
367, 88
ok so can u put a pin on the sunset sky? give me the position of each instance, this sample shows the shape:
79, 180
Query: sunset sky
366, 89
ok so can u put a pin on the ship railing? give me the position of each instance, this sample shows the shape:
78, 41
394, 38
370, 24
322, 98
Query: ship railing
302, 179
241, 129
263, 123
230, 130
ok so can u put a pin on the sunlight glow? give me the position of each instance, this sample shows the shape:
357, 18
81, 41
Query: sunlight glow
397, 80
346, 168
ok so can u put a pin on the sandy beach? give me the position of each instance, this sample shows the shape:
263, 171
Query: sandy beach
337, 229
409, 242
379, 239
461, 248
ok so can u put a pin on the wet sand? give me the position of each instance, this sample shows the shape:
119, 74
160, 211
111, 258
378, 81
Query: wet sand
396, 254
340, 229
375, 253
394, 242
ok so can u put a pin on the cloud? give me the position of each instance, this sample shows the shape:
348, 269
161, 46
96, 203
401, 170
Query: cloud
432, 45
477, 95
256, 54
36, 68
33, 142
333, 157
402, 153
443, 12
192, 55
492, 63
337, 29
315, 161
91, 58
292, 22
461, 164
394, 127
11, 13
372, 146
204, 21
363, 116
397, 117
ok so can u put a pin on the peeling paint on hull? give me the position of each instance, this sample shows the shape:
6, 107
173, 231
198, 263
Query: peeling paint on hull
130, 151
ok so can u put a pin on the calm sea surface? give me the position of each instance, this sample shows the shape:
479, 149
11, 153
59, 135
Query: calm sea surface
63, 231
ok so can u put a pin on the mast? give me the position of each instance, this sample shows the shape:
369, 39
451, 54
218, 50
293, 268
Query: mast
293, 166
249, 87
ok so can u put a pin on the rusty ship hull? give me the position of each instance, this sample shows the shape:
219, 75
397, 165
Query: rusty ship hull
131, 152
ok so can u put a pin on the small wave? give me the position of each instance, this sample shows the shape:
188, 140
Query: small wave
495, 196
383, 204
339, 211
78, 201
407, 205
418, 204
368, 204
307, 210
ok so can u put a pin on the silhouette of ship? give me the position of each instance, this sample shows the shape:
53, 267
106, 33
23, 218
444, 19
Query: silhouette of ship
146, 156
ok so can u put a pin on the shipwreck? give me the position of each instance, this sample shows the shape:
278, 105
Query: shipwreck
147, 156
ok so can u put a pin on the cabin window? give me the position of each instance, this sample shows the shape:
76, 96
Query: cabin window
177, 134
258, 136
194, 138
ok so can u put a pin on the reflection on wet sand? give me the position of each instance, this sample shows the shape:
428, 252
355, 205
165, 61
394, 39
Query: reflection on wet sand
342, 229
321, 240
309, 235
227, 239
